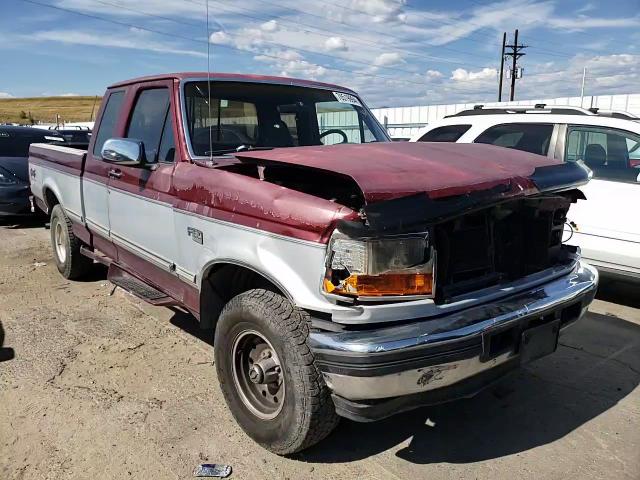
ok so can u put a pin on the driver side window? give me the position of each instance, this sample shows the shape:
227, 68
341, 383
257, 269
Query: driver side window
341, 123
148, 120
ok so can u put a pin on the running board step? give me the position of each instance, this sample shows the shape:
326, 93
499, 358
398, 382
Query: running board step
137, 287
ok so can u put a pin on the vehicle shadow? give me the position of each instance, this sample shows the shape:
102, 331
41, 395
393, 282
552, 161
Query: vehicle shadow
614, 290
188, 323
595, 367
26, 221
97, 273
6, 353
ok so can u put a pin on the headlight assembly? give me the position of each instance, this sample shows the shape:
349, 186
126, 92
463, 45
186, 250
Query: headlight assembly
376, 267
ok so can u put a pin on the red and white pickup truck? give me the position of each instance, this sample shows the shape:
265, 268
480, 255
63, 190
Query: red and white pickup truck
344, 275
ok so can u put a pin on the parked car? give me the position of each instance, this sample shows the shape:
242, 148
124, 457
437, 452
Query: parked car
605, 227
14, 176
345, 275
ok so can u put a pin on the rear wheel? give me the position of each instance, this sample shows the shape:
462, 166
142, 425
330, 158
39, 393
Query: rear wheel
66, 246
268, 375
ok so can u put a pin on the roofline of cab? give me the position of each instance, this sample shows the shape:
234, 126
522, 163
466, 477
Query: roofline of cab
232, 77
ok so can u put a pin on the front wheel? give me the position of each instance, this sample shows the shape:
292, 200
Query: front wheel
268, 375
66, 246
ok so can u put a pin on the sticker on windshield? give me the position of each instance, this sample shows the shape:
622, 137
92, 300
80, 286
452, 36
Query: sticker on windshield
347, 98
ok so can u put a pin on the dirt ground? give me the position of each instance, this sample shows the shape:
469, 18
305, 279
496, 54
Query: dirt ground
104, 387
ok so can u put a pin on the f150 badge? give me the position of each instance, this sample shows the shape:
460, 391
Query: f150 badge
195, 234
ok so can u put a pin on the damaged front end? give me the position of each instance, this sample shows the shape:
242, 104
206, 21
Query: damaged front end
418, 247
488, 286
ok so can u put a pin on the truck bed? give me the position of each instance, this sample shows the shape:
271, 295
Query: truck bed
56, 170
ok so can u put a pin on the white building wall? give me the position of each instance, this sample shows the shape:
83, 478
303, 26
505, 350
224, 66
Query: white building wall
406, 121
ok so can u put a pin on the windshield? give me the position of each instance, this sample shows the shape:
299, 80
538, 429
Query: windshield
256, 115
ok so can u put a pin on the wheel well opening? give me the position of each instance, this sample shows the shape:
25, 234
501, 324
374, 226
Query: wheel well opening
224, 281
50, 199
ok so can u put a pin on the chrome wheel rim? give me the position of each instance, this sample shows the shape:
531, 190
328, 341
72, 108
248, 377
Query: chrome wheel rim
60, 242
257, 374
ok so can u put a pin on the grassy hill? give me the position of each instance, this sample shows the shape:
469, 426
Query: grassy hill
44, 109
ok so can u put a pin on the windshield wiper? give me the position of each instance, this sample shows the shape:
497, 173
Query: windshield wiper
241, 148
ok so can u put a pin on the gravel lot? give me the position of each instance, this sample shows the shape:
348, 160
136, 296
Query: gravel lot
104, 386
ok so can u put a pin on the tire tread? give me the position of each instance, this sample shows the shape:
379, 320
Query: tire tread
319, 417
77, 265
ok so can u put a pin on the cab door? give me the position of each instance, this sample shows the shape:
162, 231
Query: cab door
95, 179
140, 197
605, 225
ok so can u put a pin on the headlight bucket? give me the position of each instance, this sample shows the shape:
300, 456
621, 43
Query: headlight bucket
400, 265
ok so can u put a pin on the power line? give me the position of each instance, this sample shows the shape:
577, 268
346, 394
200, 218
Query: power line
553, 53
424, 15
160, 17
297, 25
385, 33
457, 88
228, 47
172, 35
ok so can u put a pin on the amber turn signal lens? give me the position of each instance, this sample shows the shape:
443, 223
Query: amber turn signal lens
387, 284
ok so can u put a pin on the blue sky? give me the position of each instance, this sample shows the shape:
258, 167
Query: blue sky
394, 52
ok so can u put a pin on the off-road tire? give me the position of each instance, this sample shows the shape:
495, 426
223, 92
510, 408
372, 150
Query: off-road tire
308, 413
74, 265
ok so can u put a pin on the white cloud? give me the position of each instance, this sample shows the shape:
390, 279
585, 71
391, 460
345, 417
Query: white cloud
387, 59
583, 22
433, 74
462, 75
587, 7
291, 64
382, 11
270, 26
78, 37
220, 38
70, 94
6, 95
335, 43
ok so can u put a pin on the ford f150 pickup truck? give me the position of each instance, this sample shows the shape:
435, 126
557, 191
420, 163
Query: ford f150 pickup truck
343, 275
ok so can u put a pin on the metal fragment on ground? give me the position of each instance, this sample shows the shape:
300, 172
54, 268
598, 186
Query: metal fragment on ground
212, 470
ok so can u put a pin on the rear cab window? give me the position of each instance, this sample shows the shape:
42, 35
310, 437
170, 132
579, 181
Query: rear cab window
528, 137
447, 133
108, 122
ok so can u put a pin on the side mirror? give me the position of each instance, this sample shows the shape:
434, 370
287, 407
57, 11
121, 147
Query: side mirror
124, 151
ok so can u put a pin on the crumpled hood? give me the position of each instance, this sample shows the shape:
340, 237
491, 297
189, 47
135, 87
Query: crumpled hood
386, 171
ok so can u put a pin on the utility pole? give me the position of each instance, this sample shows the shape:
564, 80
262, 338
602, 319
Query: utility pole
515, 53
504, 42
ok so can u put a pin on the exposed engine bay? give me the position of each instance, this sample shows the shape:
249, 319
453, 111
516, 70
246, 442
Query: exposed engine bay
500, 244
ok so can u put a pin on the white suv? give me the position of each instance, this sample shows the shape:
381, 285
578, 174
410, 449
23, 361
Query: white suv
607, 227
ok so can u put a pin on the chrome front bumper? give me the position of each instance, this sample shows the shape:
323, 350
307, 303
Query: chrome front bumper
363, 367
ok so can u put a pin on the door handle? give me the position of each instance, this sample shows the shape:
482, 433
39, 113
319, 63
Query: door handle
115, 173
